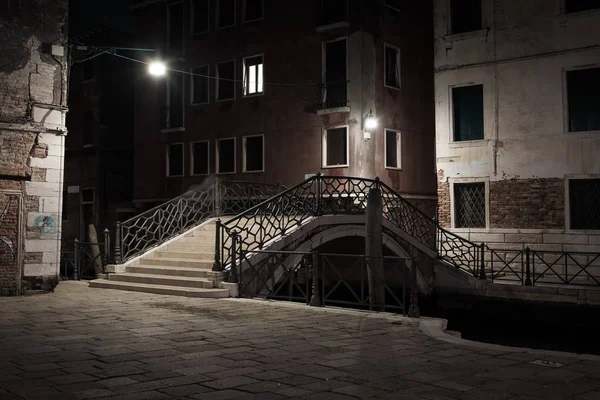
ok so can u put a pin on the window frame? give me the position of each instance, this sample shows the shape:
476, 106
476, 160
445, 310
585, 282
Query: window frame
563, 9
217, 80
398, 149
566, 113
192, 20
244, 7
567, 200
234, 155
324, 147
453, 203
192, 157
218, 11
192, 84
399, 66
168, 14
450, 25
244, 156
244, 94
451, 114
168, 169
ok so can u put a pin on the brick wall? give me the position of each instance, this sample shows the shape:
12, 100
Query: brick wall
10, 242
527, 204
444, 215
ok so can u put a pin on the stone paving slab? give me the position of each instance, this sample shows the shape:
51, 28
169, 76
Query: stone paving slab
84, 343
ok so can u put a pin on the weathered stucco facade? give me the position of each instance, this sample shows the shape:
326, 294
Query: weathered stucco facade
532, 146
33, 95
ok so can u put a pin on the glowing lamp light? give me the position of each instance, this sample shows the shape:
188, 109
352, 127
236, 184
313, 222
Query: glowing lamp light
371, 123
157, 68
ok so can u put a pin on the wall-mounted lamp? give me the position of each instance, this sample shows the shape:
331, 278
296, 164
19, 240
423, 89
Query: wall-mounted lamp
157, 68
369, 125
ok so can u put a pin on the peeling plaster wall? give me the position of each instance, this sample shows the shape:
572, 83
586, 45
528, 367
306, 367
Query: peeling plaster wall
33, 90
520, 58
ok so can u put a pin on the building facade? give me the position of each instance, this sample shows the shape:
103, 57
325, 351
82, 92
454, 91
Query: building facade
99, 149
33, 99
274, 91
517, 105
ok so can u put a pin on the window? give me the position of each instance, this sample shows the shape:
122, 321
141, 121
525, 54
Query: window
200, 85
200, 17
393, 149
584, 197
335, 147
87, 139
333, 11
335, 89
225, 80
253, 10
467, 102
226, 156
87, 70
175, 159
200, 158
174, 112
392, 66
175, 27
469, 205
254, 154
465, 16
253, 75
583, 92
572, 6
225, 13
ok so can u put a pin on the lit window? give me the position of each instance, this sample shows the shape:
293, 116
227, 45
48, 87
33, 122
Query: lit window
226, 156
392, 66
393, 149
467, 103
583, 88
584, 197
469, 205
253, 155
200, 158
175, 159
253, 75
225, 80
200, 84
335, 147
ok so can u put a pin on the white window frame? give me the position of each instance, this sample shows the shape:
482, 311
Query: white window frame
217, 80
182, 160
486, 182
192, 157
192, 33
568, 228
398, 148
169, 25
566, 98
245, 81
218, 6
234, 156
324, 147
399, 66
192, 84
245, 4
451, 116
244, 170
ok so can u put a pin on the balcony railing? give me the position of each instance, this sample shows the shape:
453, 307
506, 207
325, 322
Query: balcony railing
332, 95
172, 117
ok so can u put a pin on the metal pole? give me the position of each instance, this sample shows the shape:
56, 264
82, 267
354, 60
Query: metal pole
233, 273
118, 257
482, 262
315, 299
319, 194
76, 260
413, 310
217, 263
527, 268
217, 197
106, 249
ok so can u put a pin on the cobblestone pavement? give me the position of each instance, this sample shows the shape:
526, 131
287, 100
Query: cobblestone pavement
82, 343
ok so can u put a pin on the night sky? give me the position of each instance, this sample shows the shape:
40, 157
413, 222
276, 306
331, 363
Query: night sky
86, 14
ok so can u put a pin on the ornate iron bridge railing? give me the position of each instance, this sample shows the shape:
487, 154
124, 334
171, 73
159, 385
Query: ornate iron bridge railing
153, 227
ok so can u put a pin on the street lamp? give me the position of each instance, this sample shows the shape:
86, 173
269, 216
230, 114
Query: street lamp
157, 68
370, 123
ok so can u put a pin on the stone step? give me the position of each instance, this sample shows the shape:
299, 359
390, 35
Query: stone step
176, 246
163, 280
199, 240
170, 271
192, 255
178, 262
159, 289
